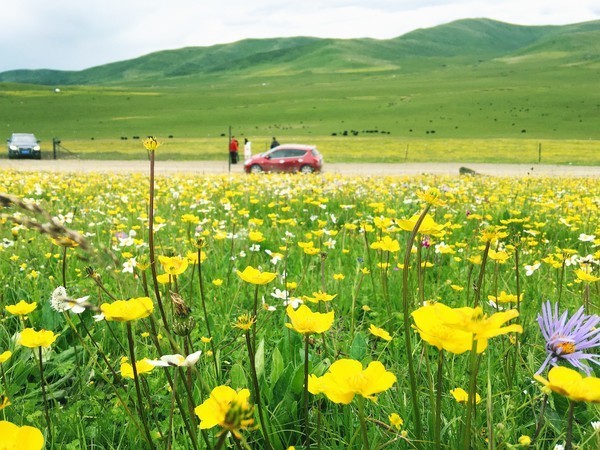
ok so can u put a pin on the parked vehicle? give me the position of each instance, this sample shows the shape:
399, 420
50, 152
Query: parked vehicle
24, 145
286, 158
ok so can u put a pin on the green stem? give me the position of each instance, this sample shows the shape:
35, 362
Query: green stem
64, 267
203, 301
151, 244
363, 423
481, 274
221, 441
306, 422
471, 399
407, 334
438, 401
569, 439
257, 397
254, 315
43, 383
140, 402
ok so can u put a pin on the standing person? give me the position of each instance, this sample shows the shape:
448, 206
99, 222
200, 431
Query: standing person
274, 143
247, 149
233, 150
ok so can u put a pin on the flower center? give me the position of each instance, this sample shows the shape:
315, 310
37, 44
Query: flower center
565, 348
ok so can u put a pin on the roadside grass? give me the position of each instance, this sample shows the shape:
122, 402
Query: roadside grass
355, 149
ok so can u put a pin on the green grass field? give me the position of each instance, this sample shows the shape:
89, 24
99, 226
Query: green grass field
448, 96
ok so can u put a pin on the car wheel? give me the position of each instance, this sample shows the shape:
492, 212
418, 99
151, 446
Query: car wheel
306, 169
255, 168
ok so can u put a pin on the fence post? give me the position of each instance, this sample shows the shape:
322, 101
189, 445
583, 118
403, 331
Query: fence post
55, 144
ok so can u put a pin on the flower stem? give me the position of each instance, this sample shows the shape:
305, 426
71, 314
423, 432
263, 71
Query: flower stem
203, 301
363, 423
140, 403
569, 438
438, 401
407, 334
151, 243
221, 441
481, 274
64, 267
306, 423
471, 399
257, 399
43, 383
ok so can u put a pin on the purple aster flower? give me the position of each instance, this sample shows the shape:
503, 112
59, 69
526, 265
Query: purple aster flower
569, 339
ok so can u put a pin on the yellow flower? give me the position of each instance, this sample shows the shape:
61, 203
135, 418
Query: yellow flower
22, 308
217, 282
461, 396
428, 226
338, 276
501, 257
23, 438
5, 356
505, 298
244, 322
151, 143
255, 276
320, 296
142, 366
305, 321
346, 378
571, 384
173, 265
455, 329
386, 244
228, 408
524, 441
33, 339
432, 197
583, 275
396, 421
380, 332
192, 257
493, 234
163, 278
256, 236
312, 251
127, 310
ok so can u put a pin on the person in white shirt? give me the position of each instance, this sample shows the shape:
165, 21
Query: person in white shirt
247, 149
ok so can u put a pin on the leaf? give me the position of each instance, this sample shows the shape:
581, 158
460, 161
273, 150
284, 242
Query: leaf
238, 376
283, 385
358, 350
276, 365
259, 359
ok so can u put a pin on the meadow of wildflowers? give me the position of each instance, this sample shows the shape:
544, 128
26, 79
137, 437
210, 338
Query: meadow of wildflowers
280, 311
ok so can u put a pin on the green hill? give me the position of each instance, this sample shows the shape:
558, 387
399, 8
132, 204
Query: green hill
463, 41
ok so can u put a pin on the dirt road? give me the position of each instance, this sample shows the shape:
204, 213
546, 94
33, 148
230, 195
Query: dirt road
366, 169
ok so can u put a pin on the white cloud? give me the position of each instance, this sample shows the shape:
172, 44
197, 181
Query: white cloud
72, 35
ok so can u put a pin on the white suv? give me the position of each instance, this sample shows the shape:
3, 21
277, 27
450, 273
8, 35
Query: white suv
24, 145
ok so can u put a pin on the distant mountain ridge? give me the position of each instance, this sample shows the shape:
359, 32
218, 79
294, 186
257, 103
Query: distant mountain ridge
466, 41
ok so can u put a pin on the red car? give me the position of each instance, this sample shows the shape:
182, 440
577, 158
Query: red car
286, 158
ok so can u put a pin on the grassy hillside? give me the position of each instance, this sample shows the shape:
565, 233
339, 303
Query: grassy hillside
471, 79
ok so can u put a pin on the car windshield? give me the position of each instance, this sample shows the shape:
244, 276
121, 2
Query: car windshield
23, 139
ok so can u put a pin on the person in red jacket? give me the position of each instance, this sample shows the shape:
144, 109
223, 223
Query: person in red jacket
233, 150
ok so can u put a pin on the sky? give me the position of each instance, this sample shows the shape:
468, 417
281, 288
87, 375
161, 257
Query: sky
77, 34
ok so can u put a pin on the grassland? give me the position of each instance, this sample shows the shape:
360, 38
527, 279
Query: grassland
496, 100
